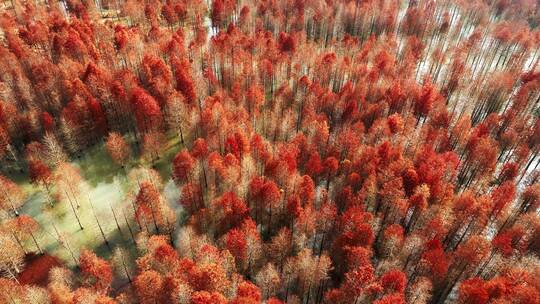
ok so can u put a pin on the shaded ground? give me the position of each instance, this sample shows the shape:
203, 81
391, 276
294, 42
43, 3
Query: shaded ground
36, 271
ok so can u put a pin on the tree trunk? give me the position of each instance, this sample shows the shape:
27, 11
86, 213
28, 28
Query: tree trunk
116, 220
100, 228
11, 204
129, 228
125, 268
36, 243
19, 243
74, 211
74, 196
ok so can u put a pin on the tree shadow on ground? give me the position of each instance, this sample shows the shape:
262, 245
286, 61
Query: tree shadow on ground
97, 166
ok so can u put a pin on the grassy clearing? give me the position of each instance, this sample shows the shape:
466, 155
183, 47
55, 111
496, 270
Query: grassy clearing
107, 187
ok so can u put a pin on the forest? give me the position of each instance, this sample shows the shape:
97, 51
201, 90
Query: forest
269, 151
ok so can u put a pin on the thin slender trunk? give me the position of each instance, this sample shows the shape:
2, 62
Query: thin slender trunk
102, 233
19, 242
125, 268
441, 298
486, 263
65, 244
464, 234
71, 253
74, 196
129, 228
48, 193
135, 215
116, 220
11, 204
154, 217
308, 293
99, 225
74, 211
36, 243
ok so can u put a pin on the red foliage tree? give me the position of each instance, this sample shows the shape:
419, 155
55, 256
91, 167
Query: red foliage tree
149, 205
232, 210
149, 287
247, 293
184, 81
147, 110
96, 272
315, 146
435, 259
425, 99
473, 291
236, 243
394, 281
47, 121
502, 196
40, 174
205, 297
183, 165
118, 148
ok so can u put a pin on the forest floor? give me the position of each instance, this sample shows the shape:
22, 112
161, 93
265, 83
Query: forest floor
106, 187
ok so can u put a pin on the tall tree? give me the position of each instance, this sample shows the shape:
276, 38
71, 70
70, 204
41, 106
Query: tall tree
12, 197
96, 272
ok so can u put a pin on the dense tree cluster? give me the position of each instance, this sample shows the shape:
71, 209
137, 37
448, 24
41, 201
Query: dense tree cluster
331, 151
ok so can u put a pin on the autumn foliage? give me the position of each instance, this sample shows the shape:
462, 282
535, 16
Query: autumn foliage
272, 151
